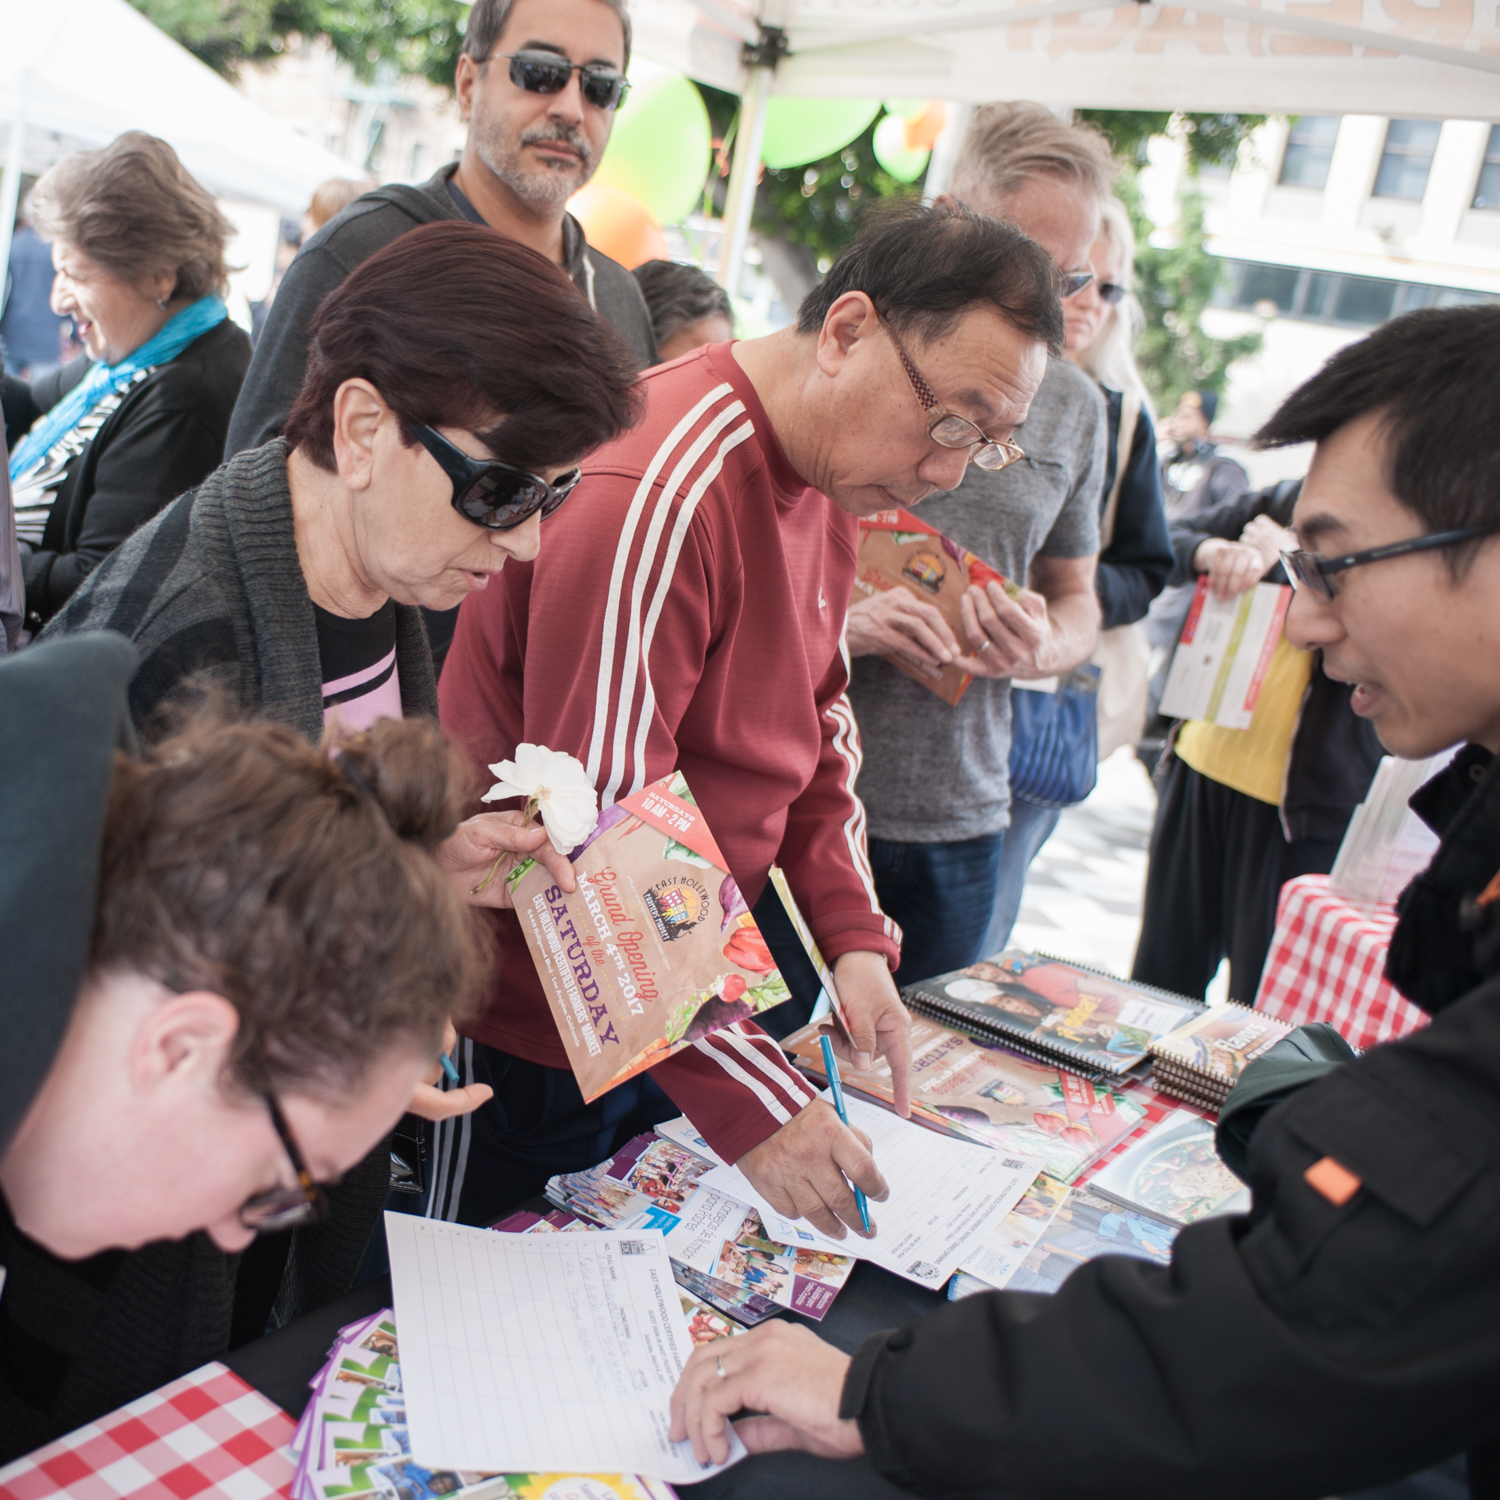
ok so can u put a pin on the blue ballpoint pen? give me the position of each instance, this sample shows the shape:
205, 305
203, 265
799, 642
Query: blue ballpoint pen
830, 1063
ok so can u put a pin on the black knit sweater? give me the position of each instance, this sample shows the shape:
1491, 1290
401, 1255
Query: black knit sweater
211, 590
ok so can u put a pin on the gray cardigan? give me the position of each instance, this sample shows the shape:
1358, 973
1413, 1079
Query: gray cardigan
211, 590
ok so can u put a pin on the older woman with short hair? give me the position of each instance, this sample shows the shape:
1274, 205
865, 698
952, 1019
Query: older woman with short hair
138, 248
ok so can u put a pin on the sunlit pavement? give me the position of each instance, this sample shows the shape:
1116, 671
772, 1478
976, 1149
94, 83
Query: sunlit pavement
1083, 895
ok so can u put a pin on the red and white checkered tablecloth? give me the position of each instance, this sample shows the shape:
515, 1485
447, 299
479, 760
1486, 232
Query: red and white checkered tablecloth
1327, 963
207, 1434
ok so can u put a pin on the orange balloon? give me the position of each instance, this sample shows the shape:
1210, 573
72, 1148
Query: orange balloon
618, 224
922, 133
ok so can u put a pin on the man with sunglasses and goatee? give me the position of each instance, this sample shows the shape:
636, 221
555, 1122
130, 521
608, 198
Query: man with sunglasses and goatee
538, 83
937, 857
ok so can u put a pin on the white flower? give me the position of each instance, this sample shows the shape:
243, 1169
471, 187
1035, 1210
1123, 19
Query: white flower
553, 784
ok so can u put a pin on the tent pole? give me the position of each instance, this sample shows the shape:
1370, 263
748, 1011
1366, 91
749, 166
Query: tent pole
945, 150
10, 186
739, 203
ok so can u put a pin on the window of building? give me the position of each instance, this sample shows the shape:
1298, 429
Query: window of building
1309, 151
1487, 194
1407, 159
1327, 297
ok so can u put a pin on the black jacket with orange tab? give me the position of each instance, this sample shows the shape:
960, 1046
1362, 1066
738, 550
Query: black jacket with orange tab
1300, 1350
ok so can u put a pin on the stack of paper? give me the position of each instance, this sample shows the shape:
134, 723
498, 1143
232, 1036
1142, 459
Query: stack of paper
944, 1194
1386, 844
540, 1352
354, 1440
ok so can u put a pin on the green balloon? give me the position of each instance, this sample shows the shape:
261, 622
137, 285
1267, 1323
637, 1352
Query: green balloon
802, 130
660, 148
908, 109
892, 152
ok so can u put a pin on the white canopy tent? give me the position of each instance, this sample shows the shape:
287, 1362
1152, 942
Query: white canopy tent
88, 69
1406, 58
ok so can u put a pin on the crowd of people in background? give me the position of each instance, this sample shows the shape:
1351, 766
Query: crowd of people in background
263, 602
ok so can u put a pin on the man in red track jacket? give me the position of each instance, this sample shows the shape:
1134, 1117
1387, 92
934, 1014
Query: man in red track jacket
687, 611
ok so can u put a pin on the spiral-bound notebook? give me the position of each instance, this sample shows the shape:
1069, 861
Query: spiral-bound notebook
1202, 1061
1087, 1022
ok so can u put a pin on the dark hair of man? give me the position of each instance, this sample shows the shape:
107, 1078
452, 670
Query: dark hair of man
924, 267
456, 325
1433, 374
240, 859
677, 296
487, 21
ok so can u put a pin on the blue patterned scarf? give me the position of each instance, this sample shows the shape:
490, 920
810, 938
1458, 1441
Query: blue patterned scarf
102, 380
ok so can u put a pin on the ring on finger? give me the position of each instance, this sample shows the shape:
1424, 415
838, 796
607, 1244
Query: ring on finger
984, 648
719, 1366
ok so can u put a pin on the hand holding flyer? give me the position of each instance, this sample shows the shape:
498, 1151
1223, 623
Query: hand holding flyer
897, 551
655, 949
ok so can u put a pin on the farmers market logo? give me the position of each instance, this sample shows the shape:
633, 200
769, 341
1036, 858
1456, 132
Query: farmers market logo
676, 906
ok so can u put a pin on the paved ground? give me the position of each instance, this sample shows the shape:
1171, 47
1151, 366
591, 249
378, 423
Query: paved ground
1083, 897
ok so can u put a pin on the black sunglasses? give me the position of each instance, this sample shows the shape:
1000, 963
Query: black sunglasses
547, 73
492, 494
1309, 570
285, 1207
1111, 291
1070, 283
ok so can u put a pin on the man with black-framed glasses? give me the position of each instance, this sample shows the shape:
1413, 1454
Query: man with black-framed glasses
539, 83
1343, 1333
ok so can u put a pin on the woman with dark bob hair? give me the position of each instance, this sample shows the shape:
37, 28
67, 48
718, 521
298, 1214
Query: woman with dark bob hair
227, 965
454, 382
141, 416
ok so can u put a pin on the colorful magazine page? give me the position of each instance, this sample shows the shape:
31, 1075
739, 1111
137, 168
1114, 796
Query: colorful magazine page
1000, 1252
654, 950
706, 1325
992, 1095
896, 550
1063, 1013
653, 1183
1174, 1174
1223, 655
1087, 1226
1216, 1046
738, 1302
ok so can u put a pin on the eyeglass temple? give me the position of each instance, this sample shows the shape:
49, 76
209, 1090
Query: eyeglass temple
924, 391
289, 1141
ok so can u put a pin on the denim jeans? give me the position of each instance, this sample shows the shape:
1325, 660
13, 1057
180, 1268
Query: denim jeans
942, 895
1030, 827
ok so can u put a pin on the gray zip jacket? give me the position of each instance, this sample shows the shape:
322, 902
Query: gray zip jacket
369, 224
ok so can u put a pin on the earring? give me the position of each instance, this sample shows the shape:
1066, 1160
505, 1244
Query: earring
161, 302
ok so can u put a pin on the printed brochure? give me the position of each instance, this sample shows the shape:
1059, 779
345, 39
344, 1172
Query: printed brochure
989, 1094
896, 550
1174, 1173
1222, 656
654, 950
